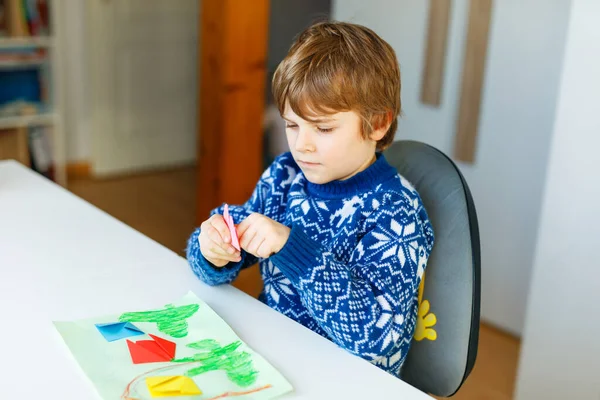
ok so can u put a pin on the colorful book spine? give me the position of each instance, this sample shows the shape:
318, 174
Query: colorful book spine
33, 17
42, 12
23, 17
3, 19
17, 25
19, 18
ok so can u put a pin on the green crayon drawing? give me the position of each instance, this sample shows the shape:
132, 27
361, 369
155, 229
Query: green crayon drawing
171, 320
237, 364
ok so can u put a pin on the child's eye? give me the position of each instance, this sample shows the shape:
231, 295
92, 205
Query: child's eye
290, 126
325, 130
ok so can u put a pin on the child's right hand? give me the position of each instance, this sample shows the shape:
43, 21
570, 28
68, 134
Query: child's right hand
215, 242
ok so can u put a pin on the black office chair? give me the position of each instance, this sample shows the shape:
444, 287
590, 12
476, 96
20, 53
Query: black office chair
444, 347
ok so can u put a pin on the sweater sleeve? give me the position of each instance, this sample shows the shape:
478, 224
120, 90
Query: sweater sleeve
261, 202
364, 304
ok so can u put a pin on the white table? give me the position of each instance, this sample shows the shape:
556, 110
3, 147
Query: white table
63, 259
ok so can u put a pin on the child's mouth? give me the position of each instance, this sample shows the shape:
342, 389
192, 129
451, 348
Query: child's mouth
307, 164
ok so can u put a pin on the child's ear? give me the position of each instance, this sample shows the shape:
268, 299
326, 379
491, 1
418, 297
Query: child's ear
381, 123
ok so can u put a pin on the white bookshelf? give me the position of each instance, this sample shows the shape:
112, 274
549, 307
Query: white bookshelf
47, 119
25, 64
54, 117
25, 42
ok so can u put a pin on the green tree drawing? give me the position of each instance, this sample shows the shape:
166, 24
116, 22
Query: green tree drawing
171, 320
237, 364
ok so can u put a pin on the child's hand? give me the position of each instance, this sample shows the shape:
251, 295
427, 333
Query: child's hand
261, 236
215, 242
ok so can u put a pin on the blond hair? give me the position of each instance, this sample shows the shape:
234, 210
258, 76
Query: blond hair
337, 66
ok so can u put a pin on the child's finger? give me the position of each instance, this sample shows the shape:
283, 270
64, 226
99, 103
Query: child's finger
213, 234
264, 249
242, 228
217, 237
224, 248
228, 258
220, 226
247, 223
254, 244
220, 261
246, 236
218, 252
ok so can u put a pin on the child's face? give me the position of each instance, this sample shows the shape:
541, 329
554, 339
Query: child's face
331, 148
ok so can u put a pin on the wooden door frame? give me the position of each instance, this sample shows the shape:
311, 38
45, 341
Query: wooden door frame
232, 70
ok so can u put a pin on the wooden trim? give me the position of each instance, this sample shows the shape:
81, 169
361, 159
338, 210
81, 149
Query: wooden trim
472, 80
232, 62
435, 55
79, 170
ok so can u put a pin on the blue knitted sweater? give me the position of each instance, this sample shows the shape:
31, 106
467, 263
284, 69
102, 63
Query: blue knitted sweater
352, 265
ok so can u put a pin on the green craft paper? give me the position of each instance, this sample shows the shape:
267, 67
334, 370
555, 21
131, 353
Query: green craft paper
208, 351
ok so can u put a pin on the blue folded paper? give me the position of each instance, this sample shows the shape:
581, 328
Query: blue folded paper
118, 330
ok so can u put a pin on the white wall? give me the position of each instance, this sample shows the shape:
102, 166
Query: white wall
518, 104
76, 83
560, 353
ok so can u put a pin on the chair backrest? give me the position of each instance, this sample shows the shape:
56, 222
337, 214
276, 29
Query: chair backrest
444, 346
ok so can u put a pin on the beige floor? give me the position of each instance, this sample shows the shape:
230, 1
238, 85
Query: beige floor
161, 205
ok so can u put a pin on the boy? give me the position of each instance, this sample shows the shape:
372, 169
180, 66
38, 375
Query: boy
341, 238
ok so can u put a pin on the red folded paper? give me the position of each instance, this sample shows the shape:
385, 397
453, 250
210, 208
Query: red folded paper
148, 351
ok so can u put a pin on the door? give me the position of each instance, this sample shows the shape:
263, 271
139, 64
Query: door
143, 69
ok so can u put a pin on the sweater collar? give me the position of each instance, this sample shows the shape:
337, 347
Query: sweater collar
378, 172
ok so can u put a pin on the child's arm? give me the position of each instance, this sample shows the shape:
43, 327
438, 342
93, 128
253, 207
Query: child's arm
363, 305
258, 202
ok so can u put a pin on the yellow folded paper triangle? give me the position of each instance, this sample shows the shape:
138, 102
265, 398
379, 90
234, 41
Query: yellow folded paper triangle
168, 386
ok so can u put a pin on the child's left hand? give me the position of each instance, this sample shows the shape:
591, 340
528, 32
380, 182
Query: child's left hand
261, 236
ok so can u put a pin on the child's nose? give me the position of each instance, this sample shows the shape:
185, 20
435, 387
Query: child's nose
304, 142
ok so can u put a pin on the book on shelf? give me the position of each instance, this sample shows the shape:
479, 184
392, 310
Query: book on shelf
24, 88
24, 18
3, 26
23, 91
